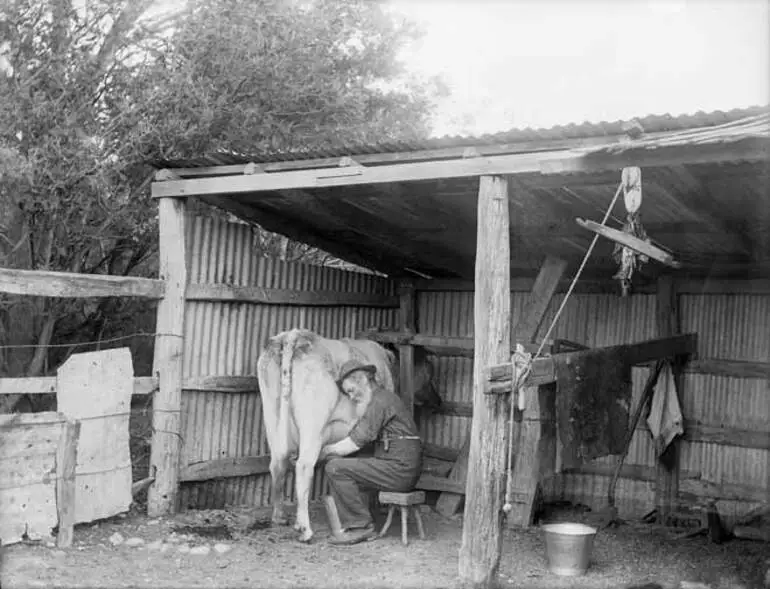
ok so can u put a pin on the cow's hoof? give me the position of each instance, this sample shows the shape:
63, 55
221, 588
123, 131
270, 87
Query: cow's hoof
298, 527
306, 536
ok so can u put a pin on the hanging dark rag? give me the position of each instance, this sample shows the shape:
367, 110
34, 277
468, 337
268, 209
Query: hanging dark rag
592, 404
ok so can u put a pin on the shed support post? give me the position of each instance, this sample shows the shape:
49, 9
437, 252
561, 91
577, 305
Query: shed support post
408, 324
667, 480
167, 362
485, 483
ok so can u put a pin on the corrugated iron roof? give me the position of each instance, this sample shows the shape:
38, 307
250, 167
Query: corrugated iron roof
650, 124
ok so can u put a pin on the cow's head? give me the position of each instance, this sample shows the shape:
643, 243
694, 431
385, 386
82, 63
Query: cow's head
425, 387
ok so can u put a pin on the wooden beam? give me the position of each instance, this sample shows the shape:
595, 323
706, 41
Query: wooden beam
143, 385
733, 368
543, 290
428, 482
638, 245
499, 375
441, 452
353, 176
281, 296
39, 283
167, 363
706, 285
754, 149
241, 466
633, 472
66, 489
667, 478
482, 523
408, 323
408, 156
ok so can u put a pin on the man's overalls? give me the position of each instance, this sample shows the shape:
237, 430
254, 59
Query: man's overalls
396, 465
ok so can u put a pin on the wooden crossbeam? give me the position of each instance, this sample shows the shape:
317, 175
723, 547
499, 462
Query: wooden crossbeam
542, 372
42, 283
638, 245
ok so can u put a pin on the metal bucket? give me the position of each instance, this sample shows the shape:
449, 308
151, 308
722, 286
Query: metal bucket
568, 548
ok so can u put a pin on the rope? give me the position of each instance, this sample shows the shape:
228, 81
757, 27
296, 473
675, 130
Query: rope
522, 375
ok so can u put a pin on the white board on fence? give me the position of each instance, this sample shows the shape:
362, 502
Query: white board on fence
96, 388
28, 444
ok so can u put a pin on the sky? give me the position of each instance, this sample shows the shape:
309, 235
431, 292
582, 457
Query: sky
522, 63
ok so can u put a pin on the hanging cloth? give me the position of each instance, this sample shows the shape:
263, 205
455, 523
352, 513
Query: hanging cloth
665, 419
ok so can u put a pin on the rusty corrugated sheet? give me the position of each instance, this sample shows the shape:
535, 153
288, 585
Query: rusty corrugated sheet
732, 327
650, 123
226, 338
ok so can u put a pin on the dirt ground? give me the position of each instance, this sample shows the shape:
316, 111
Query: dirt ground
255, 555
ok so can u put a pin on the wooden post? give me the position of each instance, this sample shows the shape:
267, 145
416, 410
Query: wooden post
535, 426
667, 481
66, 464
485, 484
406, 353
167, 363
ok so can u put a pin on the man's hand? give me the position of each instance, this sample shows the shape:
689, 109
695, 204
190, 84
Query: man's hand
341, 448
326, 451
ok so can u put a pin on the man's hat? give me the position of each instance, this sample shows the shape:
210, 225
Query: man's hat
352, 366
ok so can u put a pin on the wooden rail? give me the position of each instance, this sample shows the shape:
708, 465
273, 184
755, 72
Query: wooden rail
70, 285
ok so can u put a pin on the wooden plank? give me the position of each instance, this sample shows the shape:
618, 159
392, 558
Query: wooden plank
733, 368
708, 285
440, 452
726, 436
225, 467
281, 296
638, 245
167, 363
353, 176
66, 486
634, 472
455, 409
429, 482
143, 385
408, 323
543, 290
636, 354
662, 156
722, 491
667, 479
41, 283
221, 384
95, 388
29, 433
482, 525
407, 156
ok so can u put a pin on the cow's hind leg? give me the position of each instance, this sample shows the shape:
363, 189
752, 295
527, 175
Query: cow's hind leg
278, 467
303, 478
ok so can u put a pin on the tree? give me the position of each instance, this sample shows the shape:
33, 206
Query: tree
89, 94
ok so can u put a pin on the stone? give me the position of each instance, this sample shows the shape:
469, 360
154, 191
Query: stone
200, 550
156, 545
222, 548
183, 548
165, 547
116, 539
134, 542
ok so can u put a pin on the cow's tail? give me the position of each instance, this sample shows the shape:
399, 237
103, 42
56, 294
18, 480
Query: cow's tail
287, 355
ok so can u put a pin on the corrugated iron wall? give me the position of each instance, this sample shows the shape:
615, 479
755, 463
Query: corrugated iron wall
729, 327
223, 338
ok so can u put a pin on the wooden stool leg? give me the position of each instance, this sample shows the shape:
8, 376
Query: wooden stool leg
404, 524
418, 517
388, 521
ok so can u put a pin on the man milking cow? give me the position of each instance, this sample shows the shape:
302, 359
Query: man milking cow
397, 459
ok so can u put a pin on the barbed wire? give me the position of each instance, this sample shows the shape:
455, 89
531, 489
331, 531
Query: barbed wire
89, 343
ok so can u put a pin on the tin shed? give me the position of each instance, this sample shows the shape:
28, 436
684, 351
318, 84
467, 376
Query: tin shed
482, 226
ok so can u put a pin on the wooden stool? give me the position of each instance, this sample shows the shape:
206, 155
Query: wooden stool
406, 502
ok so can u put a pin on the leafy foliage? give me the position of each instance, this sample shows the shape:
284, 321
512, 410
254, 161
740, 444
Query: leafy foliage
90, 92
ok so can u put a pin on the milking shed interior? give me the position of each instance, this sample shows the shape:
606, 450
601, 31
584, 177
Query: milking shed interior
411, 212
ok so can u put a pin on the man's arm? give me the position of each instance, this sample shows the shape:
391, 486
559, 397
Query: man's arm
342, 448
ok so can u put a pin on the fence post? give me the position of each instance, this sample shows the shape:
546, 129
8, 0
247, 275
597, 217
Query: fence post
167, 362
